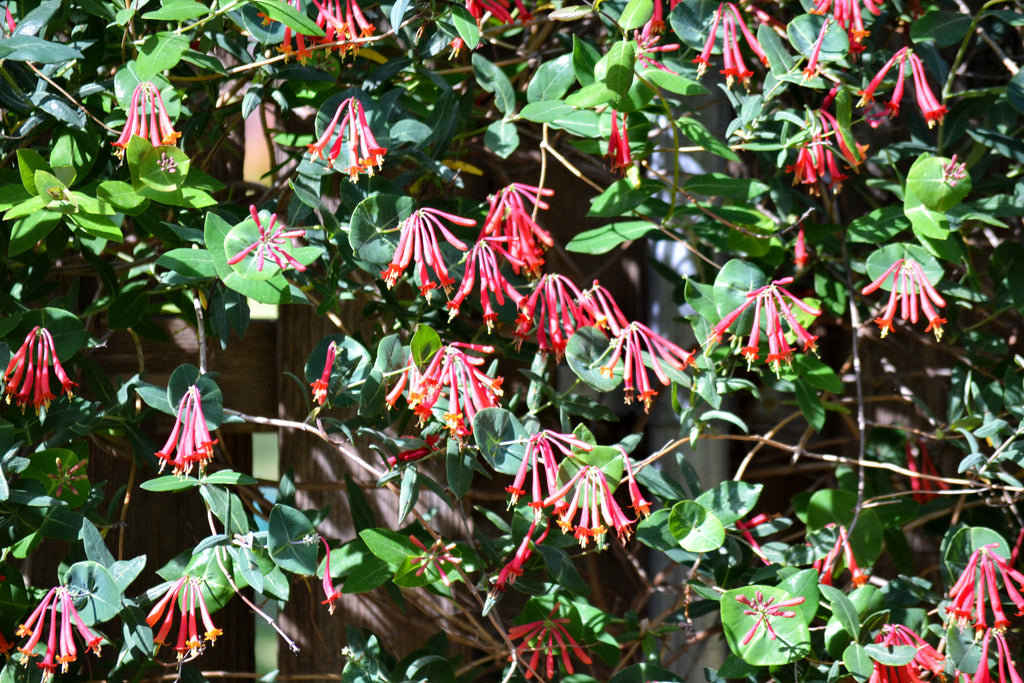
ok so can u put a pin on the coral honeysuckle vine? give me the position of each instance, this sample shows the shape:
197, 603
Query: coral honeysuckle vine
569, 255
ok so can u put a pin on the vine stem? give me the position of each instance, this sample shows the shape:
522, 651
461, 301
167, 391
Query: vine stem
200, 331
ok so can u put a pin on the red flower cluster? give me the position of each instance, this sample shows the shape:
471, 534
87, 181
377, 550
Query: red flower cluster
509, 218
593, 500
454, 374
499, 9
482, 262
926, 660
912, 290
618, 146
772, 299
550, 637
189, 643
438, 555
554, 305
1004, 661
827, 567
923, 488
728, 15
978, 583
816, 159
764, 610
514, 569
849, 15
147, 118
271, 242
630, 344
342, 26
60, 642
27, 377
321, 385
418, 239
190, 442
363, 151
542, 444
931, 109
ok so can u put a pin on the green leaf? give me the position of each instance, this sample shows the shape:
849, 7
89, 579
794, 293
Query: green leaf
292, 540
466, 26
810, 404
570, 13
390, 546
22, 48
879, 261
942, 27
501, 439
552, 80
30, 161
169, 482
697, 530
425, 343
159, 53
372, 225
188, 265
926, 181
636, 14
164, 168
804, 30
857, 662
842, 609
702, 137
492, 79
584, 60
619, 72
891, 655
502, 138
592, 95
673, 82
792, 637
878, 226
27, 232
178, 10
588, 352
730, 500
289, 16
779, 61
231, 478
721, 185
607, 237
94, 591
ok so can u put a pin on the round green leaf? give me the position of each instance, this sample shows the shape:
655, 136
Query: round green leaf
587, 353
697, 530
880, 261
926, 181
292, 540
65, 327
792, 637
736, 279
501, 439
372, 233
835, 506
164, 168
94, 591
804, 30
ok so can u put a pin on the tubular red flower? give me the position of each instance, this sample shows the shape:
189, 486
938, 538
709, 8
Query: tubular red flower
482, 262
27, 377
932, 111
550, 637
553, 306
910, 288
190, 442
509, 219
618, 154
186, 594
592, 498
539, 454
331, 595
630, 345
363, 151
157, 128
418, 240
514, 569
601, 310
321, 385
60, 644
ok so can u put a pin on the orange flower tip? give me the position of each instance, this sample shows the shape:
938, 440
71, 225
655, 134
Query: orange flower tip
212, 634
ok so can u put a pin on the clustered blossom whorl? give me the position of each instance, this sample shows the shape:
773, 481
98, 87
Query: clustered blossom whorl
553, 306
764, 610
728, 15
828, 565
190, 443
508, 218
27, 377
60, 642
592, 498
482, 262
932, 111
911, 289
548, 636
339, 26
977, 584
270, 243
542, 444
147, 118
816, 160
772, 301
927, 659
190, 643
363, 151
499, 9
849, 15
630, 345
418, 240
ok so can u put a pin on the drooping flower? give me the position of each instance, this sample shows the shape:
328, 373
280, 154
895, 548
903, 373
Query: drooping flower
482, 263
9, 22
601, 309
27, 377
331, 594
499, 9
60, 643
800, 251
514, 568
439, 555
508, 218
640, 505
363, 151
910, 288
827, 567
186, 594
630, 345
550, 637
816, 160
348, 26
147, 118
618, 154
300, 51
770, 301
413, 454
977, 584
190, 442
812, 62
849, 15
1007, 668
321, 385
930, 107
764, 610
540, 454
456, 376
418, 240
728, 16
923, 488
745, 527
270, 243
553, 306
592, 498
647, 45
926, 658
